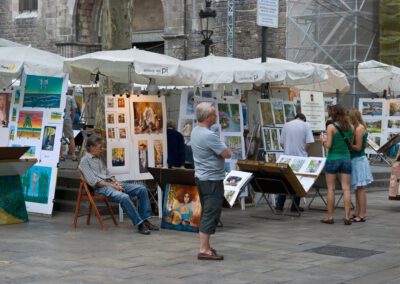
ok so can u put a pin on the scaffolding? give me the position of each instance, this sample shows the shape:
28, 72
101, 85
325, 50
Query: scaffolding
341, 33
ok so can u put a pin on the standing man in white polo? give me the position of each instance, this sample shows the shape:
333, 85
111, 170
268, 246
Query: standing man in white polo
295, 140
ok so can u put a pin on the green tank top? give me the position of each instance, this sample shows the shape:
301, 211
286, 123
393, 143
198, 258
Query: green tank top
339, 149
356, 154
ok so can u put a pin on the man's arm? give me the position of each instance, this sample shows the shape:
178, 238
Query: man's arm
226, 154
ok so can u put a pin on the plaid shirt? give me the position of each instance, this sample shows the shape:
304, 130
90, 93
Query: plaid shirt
93, 169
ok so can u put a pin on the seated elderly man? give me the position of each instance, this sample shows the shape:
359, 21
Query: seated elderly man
97, 176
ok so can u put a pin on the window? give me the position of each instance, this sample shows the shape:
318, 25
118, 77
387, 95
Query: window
28, 5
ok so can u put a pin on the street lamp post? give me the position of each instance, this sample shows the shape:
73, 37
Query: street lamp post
205, 15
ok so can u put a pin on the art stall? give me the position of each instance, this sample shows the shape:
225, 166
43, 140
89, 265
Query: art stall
229, 126
34, 118
136, 135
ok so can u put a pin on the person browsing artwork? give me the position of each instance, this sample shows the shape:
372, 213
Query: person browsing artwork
338, 162
209, 154
295, 140
97, 176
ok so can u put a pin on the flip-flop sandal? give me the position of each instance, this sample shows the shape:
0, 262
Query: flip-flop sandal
62, 158
359, 219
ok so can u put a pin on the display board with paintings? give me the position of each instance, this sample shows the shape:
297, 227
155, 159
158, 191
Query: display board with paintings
136, 135
306, 169
382, 118
229, 124
33, 117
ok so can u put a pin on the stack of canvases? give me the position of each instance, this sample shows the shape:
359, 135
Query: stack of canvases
35, 119
136, 135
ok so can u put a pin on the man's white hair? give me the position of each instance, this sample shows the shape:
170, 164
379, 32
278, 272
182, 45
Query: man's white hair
203, 110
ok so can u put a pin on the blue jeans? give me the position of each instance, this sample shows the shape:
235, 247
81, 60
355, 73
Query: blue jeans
124, 199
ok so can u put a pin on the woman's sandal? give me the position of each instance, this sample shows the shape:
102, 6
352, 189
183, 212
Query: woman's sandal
328, 221
62, 158
346, 221
359, 219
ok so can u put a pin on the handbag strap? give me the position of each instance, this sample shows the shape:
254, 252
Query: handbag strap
346, 140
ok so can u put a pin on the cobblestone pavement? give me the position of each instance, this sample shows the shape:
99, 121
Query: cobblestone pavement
256, 250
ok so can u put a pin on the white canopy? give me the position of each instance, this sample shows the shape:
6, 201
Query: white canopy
337, 80
227, 70
377, 76
115, 65
33, 61
295, 73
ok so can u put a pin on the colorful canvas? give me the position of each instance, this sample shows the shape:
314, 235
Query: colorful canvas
296, 164
182, 208
394, 108
118, 157
110, 118
229, 117
12, 132
43, 91
111, 133
14, 115
122, 133
158, 153
121, 102
267, 139
143, 156
121, 118
235, 144
148, 117
393, 123
374, 125
17, 97
56, 116
266, 113
12, 203
372, 108
29, 124
277, 107
290, 111
36, 184
49, 135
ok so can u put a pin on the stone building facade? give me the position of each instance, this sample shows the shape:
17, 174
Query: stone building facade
74, 27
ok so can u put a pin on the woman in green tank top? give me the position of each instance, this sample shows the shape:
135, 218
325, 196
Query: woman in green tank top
361, 174
338, 162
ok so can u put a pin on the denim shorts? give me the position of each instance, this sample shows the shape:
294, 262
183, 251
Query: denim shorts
340, 166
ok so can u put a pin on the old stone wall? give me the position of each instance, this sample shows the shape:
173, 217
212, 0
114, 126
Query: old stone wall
73, 27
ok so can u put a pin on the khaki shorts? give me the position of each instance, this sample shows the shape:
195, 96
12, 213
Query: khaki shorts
67, 130
211, 198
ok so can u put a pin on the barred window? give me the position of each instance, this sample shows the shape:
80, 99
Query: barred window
28, 5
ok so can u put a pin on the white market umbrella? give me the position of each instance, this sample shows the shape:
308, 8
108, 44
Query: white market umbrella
295, 73
115, 65
32, 60
377, 76
336, 80
228, 70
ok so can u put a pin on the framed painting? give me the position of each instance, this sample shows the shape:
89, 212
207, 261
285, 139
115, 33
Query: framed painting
266, 114
38, 185
229, 117
182, 208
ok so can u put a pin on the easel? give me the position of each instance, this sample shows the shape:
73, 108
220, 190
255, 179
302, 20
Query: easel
382, 152
271, 178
